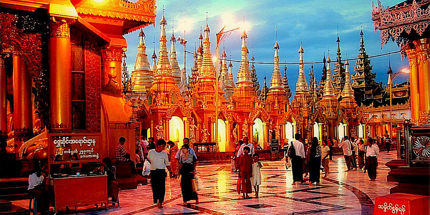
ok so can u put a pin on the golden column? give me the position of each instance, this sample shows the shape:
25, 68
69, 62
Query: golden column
413, 64
22, 113
3, 102
423, 47
60, 75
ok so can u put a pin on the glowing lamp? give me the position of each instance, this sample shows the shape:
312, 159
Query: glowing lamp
405, 70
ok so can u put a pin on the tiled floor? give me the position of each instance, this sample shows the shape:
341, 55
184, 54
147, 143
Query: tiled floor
341, 193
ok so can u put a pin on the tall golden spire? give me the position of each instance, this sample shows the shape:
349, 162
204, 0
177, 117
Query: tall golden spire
207, 70
347, 89
244, 76
224, 71
302, 85
200, 53
154, 62
230, 75
328, 86
142, 76
176, 71
163, 64
276, 81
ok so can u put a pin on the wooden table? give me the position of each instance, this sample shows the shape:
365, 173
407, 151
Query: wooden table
72, 192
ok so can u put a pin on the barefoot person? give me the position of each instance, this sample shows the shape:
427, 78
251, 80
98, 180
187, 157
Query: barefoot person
256, 174
187, 171
245, 172
372, 158
325, 158
314, 162
297, 154
159, 162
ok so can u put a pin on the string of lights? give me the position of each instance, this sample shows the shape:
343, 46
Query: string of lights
311, 62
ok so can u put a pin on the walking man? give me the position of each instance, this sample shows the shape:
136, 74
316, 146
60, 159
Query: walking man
372, 159
159, 162
347, 152
297, 154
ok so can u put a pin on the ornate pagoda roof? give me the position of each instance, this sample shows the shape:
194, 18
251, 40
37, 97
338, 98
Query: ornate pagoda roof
134, 14
398, 21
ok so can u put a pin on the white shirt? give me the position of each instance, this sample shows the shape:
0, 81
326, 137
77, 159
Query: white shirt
299, 148
346, 147
251, 147
372, 151
34, 180
325, 151
159, 160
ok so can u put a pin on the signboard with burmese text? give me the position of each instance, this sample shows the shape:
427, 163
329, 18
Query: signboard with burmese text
64, 147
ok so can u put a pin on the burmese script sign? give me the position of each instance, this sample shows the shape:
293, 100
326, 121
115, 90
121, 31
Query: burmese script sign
65, 147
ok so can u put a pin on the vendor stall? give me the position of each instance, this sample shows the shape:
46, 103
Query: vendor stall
76, 177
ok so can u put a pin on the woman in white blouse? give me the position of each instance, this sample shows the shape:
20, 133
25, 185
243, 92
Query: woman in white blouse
372, 153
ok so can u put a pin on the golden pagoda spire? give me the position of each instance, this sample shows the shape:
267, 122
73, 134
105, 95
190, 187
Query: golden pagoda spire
276, 81
207, 70
244, 75
347, 89
176, 71
154, 62
142, 76
224, 71
328, 86
302, 85
163, 64
230, 75
200, 52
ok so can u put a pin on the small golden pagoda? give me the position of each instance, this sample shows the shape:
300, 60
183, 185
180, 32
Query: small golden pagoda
277, 101
142, 75
329, 103
164, 99
301, 104
244, 99
348, 105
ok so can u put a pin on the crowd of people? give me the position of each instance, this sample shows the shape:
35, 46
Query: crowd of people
155, 161
308, 158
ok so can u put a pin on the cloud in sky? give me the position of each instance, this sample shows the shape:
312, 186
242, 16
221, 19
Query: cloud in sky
315, 23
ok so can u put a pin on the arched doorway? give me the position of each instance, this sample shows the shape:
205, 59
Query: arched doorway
222, 135
341, 130
257, 132
361, 131
289, 131
317, 128
176, 130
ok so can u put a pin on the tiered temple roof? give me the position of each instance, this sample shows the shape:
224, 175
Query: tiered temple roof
338, 71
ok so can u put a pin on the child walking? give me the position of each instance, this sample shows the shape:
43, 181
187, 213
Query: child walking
256, 174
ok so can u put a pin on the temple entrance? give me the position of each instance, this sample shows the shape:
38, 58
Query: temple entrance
257, 132
289, 131
176, 130
341, 131
317, 129
222, 135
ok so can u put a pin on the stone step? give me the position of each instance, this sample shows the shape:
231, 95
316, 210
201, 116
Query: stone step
17, 196
5, 205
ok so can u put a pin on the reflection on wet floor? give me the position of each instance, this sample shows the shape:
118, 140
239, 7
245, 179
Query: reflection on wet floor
341, 193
